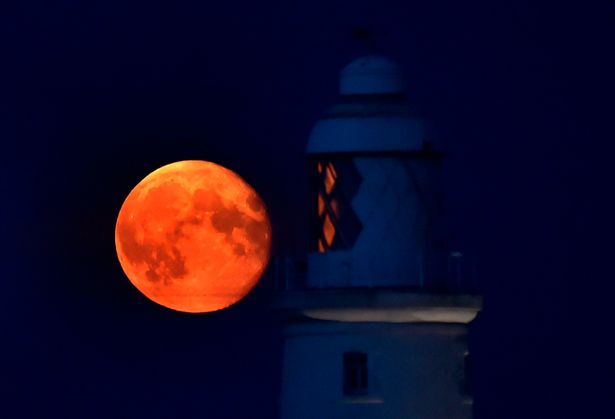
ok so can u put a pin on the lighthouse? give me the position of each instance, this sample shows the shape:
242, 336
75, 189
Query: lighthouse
377, 327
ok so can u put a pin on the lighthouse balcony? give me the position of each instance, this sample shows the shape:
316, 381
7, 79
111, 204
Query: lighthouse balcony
455, 274
394, 305
450, 298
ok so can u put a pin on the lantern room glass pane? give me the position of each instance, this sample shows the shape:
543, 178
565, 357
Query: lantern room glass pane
334, 182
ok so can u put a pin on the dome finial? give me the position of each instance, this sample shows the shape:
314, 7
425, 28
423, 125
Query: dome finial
364, 35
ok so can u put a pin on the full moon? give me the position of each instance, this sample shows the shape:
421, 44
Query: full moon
193, 236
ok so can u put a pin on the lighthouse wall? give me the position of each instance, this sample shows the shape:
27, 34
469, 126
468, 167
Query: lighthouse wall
412, 371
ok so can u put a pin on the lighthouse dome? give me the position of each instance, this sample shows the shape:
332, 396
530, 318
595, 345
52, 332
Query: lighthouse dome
371, 114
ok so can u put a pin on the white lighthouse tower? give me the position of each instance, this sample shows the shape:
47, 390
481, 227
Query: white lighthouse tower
377, 327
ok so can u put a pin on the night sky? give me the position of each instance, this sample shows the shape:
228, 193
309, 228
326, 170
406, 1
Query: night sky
97, 94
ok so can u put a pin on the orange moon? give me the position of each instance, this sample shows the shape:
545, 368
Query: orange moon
193, 236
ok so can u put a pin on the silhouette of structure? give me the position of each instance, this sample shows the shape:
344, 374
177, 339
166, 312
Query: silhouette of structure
377, 327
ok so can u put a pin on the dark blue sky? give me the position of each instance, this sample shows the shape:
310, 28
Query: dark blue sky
104, 92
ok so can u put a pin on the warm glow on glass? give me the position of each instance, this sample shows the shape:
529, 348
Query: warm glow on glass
332, 169
321, 205
330, 177
321, 247
328, 230
335, 208
328, 205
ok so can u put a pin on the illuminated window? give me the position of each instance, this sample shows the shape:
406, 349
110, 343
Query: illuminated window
355, 373
330, 178
328, 230
321, 205
335, 181
335, 208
